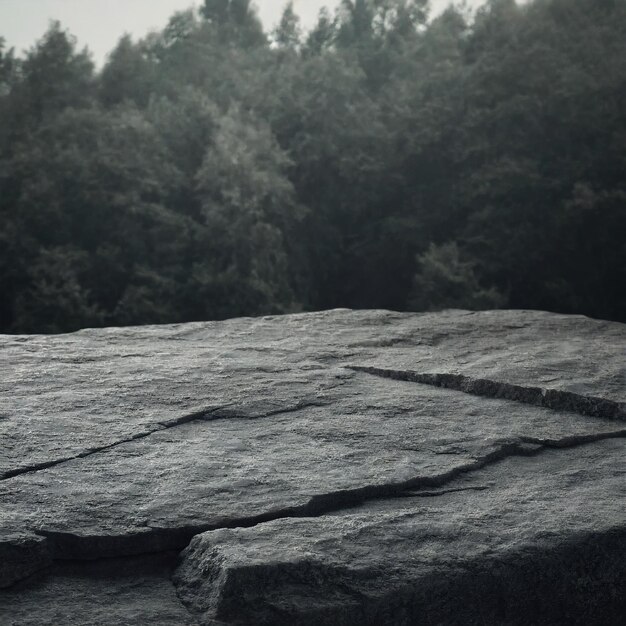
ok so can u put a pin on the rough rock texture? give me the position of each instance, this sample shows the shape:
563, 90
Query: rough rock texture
339, 467
111, 593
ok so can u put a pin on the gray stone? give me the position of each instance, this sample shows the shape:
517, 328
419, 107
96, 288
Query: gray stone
338, 467
22, 554
513, 543
114, 592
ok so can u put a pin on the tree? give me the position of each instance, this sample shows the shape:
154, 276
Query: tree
250, 210
322, 35
8, 67
55, 299
446, 280
9, 72
54, 76
533, 138
216, 11
384, 161
91, 187
187, 123
287, 35
376, 31
127, 75
234, 21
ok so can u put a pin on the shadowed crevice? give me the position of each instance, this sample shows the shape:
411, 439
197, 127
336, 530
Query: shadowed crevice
555, 399
152, 539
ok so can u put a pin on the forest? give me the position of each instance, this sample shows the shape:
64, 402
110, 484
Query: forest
383, 159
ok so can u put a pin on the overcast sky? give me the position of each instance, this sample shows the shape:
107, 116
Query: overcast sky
98, 24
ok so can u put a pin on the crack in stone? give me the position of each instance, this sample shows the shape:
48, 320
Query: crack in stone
206, 415
151, 539
558, 400
159, 427
440, 492
521, 447
67, 546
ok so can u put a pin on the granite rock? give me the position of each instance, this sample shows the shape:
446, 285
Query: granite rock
340, 467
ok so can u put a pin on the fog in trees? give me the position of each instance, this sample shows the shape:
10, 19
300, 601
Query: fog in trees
383, 159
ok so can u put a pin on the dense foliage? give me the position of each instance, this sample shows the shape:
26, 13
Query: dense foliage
381, 160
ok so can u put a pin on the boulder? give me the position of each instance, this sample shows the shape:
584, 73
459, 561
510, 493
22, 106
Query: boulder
340, 467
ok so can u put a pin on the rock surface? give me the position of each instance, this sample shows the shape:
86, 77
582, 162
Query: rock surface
339, 467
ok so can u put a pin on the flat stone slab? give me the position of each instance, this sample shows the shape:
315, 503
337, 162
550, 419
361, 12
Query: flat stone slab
255, 438
518, 539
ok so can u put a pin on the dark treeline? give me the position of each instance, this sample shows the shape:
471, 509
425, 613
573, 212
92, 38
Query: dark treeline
381, 160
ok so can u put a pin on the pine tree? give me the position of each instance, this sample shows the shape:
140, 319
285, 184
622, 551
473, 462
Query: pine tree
288, 33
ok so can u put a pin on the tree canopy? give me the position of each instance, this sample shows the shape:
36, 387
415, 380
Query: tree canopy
381, 159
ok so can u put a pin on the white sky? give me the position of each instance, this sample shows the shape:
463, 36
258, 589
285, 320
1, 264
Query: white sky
98, 24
